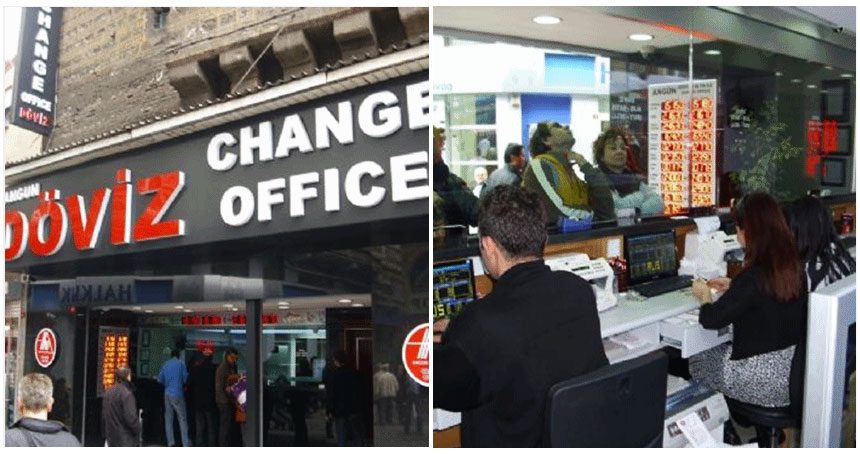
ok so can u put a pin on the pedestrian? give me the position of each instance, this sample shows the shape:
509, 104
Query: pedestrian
345, 399
120, 420
201, 384
385, 387
223, 396
173, 376
35, 399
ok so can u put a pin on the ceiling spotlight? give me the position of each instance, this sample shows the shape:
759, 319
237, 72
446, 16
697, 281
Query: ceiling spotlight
235, 309
640, 37
846, 75
811, 86
796, 81
136, 308
546, 20
344, 300
283, 302
187, 310
778, 74
179, 307
712, 52
148, 311
228, 306
823, 92
829, 68
357, 305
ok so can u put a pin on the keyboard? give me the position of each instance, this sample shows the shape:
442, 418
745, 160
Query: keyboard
669, 284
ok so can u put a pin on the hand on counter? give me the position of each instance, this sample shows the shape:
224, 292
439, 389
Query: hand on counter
439, 327
720, 284
702, 291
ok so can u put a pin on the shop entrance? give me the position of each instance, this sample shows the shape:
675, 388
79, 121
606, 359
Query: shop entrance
299, 336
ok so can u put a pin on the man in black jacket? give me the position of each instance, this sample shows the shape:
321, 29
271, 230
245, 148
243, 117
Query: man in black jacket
345, 396
35, 399
201, 384
500, 355
119, 412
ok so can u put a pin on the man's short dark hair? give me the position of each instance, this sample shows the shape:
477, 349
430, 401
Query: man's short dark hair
513, 149
174, 353
231, 351
515, 218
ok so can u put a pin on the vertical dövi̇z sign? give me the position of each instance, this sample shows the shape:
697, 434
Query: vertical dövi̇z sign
33, 98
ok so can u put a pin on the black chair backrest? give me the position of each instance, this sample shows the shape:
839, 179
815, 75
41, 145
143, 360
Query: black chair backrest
621, 405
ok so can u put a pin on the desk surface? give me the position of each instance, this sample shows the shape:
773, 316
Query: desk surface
630, 314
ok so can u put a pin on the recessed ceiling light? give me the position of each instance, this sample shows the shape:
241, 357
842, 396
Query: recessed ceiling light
187, 310
283, 302
712, 52
778, 74
235, 309
823, 92
357, 305
179, 307
546, 20
228, 306
846, 75
148, 311
812, 86
136, 308
796, 81
829, 68
344, 300
640, 37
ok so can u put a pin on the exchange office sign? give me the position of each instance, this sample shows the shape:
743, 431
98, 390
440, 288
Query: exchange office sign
35, 85
351, 158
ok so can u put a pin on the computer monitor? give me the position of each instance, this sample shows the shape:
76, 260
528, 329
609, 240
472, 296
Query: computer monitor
651, 256
453, 287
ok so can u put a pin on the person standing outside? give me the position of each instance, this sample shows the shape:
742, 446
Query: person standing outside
385, 388
223, 395
202, 386
173, 376
345, 400
119, 412
35, 399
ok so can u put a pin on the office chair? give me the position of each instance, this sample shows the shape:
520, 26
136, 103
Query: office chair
768, 421
622, 405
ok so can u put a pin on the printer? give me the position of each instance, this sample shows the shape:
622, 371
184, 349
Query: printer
595, 271
705, 249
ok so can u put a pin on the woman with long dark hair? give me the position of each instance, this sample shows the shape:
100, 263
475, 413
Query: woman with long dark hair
824, 258
766, 306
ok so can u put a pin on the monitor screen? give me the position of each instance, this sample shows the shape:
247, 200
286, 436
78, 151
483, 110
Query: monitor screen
453, 287
651, 256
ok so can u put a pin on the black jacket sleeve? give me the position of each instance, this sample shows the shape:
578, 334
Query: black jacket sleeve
734, 303
599, 193
455, 380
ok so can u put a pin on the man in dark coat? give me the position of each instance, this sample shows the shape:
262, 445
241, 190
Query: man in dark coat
345, 397
120, 419
223, 397
35, 399
201, 384
538, 327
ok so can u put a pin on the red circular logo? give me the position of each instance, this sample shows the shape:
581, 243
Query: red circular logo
416, 354
46, 347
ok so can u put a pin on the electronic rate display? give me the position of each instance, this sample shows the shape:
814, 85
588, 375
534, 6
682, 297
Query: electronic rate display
113, 353
683, 177
453, 287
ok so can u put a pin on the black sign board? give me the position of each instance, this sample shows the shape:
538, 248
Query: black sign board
345, 160
33, 96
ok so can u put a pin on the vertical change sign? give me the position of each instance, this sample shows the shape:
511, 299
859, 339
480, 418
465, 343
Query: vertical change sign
416, 354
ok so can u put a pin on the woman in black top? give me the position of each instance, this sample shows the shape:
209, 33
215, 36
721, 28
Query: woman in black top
766, 306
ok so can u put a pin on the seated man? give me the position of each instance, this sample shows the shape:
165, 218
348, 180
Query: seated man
498, 358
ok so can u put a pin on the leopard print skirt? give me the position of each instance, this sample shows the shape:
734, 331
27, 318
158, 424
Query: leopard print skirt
760, 380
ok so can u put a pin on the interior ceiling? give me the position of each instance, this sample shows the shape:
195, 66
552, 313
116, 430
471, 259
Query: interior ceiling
580, 26
295, 303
